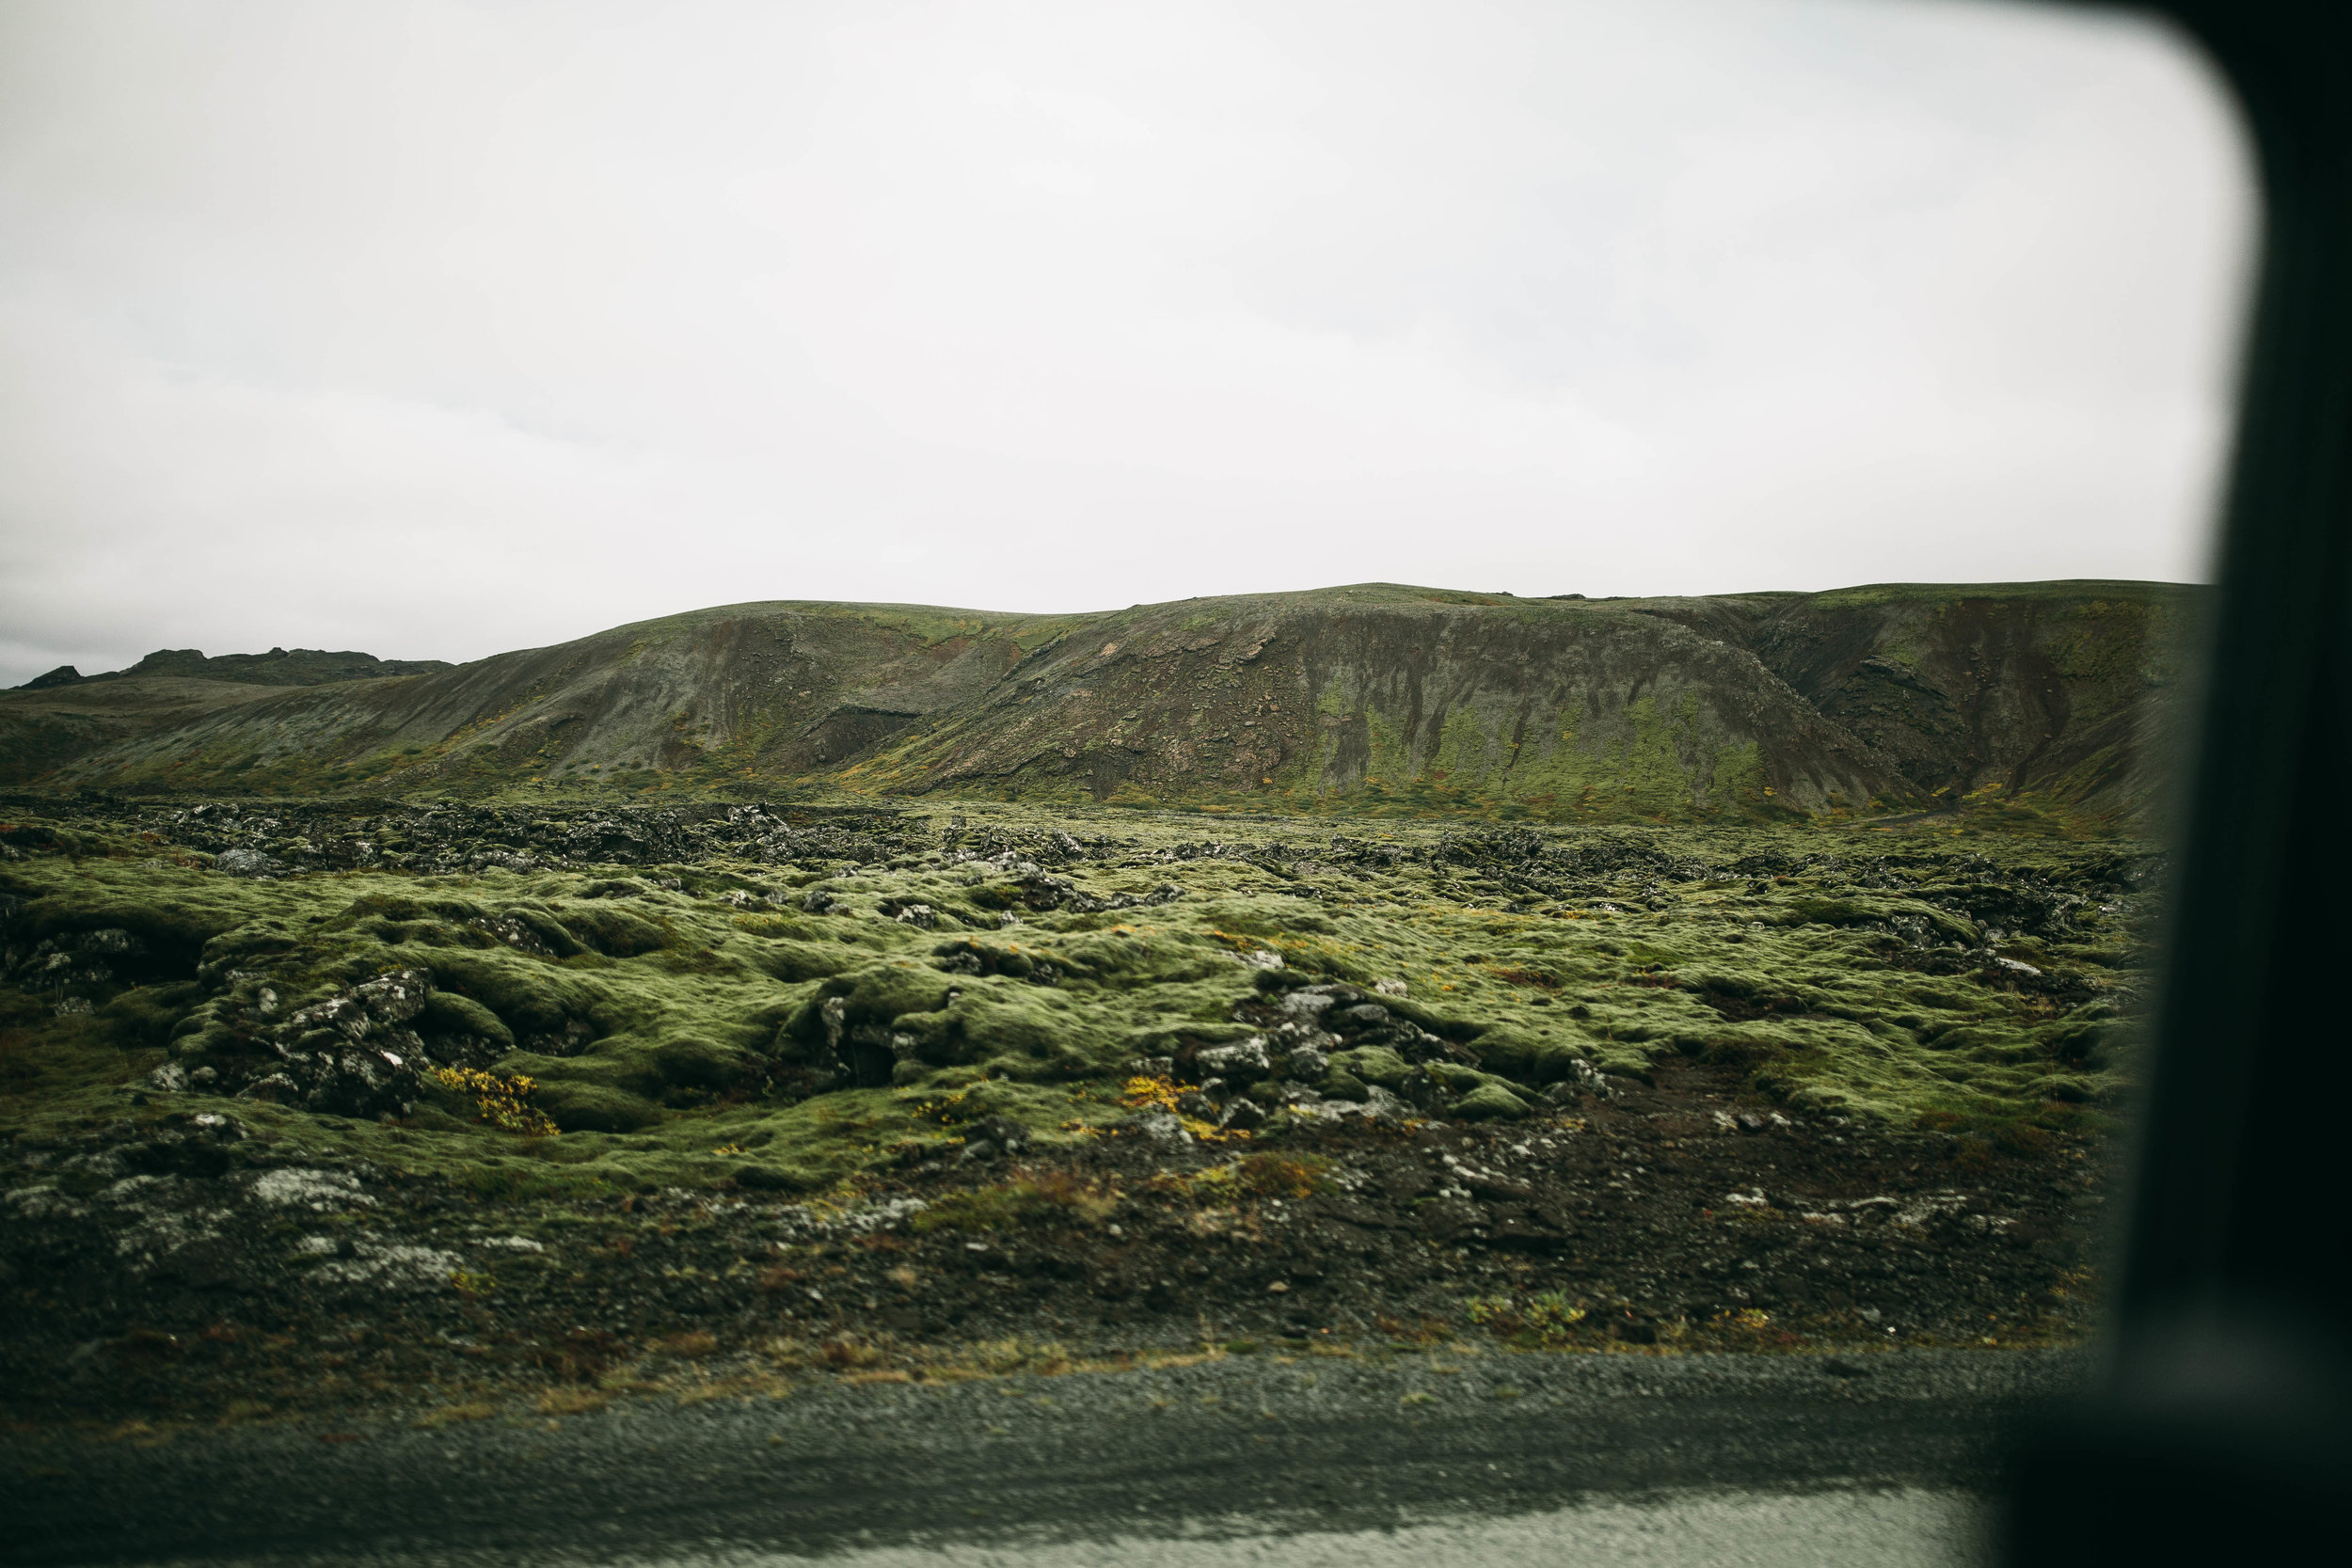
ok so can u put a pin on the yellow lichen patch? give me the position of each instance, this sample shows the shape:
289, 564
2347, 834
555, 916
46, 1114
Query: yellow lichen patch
467, 1282
504, 1102
1145, 1094
1142, 1093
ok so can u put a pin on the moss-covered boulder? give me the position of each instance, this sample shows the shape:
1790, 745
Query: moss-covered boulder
531, 996
1531, 1056
616, 932
1372, 1064
1490, 1103
450, 1016
688, 1062
1340, 1083
580, 1107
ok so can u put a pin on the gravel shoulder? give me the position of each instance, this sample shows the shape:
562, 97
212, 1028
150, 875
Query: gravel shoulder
1237, 1446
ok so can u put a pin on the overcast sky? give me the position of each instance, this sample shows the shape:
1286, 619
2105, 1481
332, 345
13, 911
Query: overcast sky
436, 329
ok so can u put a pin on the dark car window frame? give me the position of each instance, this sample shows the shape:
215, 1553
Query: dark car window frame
2219, 1422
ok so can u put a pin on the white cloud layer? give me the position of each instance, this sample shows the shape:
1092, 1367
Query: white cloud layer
439, 328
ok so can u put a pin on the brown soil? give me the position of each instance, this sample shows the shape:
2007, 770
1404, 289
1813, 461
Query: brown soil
1672, 1218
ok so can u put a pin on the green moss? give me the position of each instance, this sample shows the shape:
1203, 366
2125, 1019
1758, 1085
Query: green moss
1490, 1103
1530, 1053
985, 1209
1340, 1083
1830, 975
616, 932
576, 1106
1372, 1064
447, 1012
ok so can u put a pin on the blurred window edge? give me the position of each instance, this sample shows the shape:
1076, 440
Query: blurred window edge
2219, 1421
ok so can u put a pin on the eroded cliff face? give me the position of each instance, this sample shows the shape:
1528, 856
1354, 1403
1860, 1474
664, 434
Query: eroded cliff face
1382, 695
1374, 697
2070, 690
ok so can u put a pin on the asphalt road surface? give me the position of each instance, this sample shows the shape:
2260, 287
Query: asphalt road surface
1422, 1460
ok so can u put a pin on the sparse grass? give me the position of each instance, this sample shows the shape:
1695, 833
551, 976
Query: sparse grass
473, 1410
1547, 1321
1050, 1196
573, 1401
1268, 1176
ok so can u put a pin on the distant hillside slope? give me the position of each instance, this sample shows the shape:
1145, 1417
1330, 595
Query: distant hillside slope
1371, 697
278, 667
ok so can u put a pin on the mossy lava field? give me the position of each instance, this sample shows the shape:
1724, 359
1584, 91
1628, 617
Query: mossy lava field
457, 1109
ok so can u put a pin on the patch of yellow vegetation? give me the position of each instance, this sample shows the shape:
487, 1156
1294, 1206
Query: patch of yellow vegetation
504, 1102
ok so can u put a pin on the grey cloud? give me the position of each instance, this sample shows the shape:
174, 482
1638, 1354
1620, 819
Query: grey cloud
437, 328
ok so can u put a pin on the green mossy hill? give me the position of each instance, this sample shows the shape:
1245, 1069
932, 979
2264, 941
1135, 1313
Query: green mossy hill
782, 997
48, 730
2044, 702
746, 693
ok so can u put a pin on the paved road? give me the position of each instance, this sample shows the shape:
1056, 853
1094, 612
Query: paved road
1426, 1460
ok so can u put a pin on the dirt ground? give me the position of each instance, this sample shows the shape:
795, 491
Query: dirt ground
1667, 1218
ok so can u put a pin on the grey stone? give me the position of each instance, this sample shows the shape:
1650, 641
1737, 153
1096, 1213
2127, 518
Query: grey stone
1002, 1131
241, 862
1244, 1114
1162, 1127
275, 1088
1247, 1059
1583, 1079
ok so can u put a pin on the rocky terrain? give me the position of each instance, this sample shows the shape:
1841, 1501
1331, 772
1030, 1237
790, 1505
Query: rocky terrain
2041, 706
443, 1104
